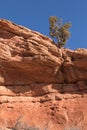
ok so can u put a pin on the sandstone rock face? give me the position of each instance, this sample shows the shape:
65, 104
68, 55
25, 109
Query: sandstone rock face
40, 85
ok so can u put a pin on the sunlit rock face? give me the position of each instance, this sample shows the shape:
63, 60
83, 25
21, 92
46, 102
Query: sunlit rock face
41, 85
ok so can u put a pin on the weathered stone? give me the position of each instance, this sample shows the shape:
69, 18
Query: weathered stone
40, 84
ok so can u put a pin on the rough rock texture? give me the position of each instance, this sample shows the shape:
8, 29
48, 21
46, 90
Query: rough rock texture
40, 85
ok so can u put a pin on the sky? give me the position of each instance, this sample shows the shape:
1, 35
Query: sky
34, 14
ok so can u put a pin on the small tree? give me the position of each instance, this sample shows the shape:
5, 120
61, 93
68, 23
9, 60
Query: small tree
59, 31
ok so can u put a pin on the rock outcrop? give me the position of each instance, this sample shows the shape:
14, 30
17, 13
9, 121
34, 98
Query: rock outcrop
40, 85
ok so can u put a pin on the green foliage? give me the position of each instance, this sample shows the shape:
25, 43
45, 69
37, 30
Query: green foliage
59, 31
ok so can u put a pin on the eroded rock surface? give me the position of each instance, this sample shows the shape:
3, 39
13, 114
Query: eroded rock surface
40, 85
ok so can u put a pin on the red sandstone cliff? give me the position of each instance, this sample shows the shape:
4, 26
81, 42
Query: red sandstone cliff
44, 85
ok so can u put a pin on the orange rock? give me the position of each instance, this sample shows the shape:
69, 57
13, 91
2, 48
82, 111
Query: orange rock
40, 85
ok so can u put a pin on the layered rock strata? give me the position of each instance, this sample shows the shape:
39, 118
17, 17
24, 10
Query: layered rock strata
40, 85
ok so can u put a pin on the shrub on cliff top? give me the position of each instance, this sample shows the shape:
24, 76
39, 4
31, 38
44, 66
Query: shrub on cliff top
59, 31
